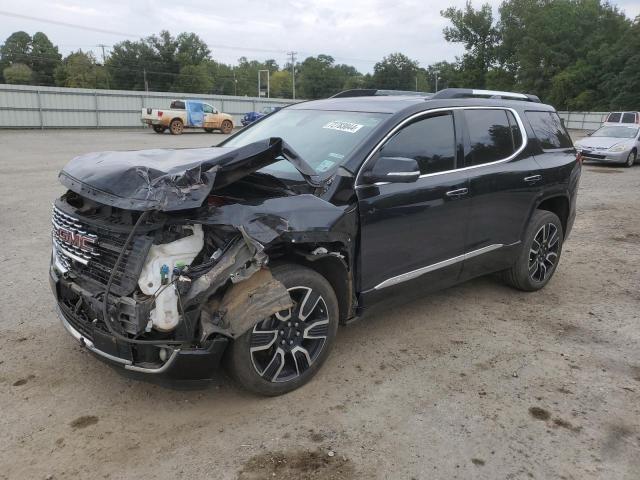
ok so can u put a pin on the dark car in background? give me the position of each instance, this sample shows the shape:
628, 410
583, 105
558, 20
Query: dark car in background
251, 117
252, 253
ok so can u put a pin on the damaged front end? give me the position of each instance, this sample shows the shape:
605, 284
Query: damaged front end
153, 272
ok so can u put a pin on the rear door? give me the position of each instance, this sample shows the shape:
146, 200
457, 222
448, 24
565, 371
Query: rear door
504, 183
416, 230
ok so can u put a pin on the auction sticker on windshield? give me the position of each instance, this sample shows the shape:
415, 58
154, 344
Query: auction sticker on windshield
348, 127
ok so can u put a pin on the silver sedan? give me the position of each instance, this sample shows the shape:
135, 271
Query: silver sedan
611, 143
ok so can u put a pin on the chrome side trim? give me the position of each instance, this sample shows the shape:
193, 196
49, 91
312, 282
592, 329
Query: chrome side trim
125, 363
426, 113
430, 268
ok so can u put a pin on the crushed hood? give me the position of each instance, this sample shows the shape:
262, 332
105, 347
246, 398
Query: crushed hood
171, 179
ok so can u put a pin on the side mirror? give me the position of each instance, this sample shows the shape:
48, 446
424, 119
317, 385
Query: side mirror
393, 170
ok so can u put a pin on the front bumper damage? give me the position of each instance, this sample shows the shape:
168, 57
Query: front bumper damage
253, 294
227, 286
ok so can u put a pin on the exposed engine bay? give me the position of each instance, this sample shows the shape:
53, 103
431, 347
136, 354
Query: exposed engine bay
142, 283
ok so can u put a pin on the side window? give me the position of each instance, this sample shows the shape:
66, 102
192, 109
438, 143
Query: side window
207, 108
549, 130
431, 141
614, 117
491, 134
629, 117
177, 105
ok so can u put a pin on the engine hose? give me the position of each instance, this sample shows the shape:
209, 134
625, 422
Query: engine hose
105, 299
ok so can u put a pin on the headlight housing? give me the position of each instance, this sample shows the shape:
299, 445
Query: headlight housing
618, 148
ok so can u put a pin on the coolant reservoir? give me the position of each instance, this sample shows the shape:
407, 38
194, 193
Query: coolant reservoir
181, 252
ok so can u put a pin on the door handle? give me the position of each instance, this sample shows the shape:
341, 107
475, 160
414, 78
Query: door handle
533, 178
458, 192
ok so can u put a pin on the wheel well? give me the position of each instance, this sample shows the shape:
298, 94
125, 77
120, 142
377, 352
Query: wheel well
336, 272
558, 205
176, 118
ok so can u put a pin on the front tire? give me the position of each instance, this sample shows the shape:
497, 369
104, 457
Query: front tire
631, 159
226, 127
176, 127
283, 352
540, 253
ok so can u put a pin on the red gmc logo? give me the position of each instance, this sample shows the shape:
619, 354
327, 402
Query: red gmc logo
75, 239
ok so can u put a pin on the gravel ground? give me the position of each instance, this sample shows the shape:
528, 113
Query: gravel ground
478, 381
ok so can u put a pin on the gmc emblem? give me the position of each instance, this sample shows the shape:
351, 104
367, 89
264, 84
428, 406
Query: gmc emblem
75, 239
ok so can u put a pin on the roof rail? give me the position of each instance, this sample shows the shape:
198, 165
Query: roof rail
469, 92
375, 92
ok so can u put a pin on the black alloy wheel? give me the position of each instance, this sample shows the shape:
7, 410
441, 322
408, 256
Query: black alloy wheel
539, 254
543, 254
284, 351
286, 345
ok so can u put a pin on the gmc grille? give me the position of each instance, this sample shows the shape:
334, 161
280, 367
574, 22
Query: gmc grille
89, 249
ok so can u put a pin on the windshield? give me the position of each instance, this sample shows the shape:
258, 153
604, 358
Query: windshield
616, 132
324, 139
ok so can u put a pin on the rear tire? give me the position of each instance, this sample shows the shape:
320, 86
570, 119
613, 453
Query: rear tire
176, 127
158, 129
631, 159
540, 253
226, 127
285, 351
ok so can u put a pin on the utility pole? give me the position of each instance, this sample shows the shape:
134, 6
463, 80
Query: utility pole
146, 85
104, 63
235, 83
293, 71
437, 73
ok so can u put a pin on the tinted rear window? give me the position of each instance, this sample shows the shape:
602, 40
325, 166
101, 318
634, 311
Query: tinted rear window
177, 105
614, 117
629, 117
549, 130
491, 135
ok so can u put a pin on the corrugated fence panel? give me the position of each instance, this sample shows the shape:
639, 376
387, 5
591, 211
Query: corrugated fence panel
583, 120
25, 106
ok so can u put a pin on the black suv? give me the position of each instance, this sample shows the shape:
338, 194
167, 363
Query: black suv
251, 253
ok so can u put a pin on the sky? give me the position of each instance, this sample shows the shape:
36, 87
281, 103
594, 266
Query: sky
355, 32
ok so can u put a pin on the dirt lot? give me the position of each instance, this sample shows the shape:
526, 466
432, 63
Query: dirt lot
479, 381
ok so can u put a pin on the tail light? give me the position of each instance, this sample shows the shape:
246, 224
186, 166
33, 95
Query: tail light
160, 113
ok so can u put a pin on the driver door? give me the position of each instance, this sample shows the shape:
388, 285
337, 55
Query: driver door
416, 231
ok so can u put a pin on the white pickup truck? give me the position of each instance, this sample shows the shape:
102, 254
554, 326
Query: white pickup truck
187, 114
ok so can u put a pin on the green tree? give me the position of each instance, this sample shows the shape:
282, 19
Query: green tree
191, 49
320, 77
396, 71
623, 82
15, 49
281, 84
567, 38
17, 74
45, 58
475, 29
194, 79
80, 70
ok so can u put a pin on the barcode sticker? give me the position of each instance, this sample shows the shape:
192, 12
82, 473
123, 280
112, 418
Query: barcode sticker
343, 126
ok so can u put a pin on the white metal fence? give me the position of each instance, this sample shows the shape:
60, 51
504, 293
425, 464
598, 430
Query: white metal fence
583, 120
24, 106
